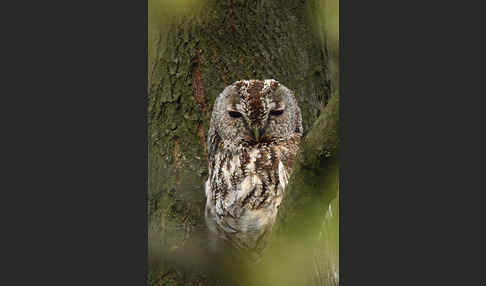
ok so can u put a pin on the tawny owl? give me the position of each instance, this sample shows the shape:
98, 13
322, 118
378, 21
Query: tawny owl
253, 139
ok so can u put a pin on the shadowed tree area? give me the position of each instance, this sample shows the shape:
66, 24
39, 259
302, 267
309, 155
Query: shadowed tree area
196, 49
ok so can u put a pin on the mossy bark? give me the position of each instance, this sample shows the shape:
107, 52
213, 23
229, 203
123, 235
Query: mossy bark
193, 57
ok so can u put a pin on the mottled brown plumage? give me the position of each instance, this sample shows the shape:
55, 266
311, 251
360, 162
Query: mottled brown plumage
253, 139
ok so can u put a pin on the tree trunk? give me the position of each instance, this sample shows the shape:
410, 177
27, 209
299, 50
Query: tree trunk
193, 56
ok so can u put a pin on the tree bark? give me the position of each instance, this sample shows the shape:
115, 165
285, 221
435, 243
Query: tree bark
193, 57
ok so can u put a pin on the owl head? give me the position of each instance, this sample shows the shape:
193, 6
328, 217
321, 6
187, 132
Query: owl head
256, 111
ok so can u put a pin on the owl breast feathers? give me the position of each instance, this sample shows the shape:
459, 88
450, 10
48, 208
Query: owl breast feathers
254, 136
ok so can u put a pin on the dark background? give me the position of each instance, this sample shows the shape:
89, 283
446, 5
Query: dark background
75, 155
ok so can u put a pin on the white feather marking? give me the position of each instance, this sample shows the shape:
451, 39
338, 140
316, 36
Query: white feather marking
282, 175
235, 162
266, 84
247, 186
253, 156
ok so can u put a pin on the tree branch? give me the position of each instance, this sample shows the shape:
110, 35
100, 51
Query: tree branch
314, 181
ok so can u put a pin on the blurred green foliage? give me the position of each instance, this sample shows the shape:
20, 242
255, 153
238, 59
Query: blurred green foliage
307, 252
325, 13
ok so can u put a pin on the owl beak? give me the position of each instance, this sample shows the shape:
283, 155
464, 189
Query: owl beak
257, 132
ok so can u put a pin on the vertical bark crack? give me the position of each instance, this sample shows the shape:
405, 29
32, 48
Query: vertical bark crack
197, 81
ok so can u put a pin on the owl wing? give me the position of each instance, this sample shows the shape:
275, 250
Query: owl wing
213, 144
288, 154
